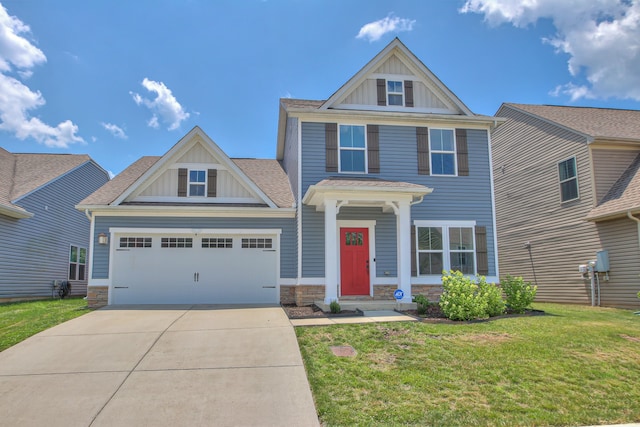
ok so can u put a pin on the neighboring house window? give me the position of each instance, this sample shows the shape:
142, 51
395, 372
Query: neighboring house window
445, 247
197, 183
443, 151
568, 179
77, 263
353, 149
395, 93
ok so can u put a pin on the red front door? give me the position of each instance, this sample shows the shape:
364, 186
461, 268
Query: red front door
354, 261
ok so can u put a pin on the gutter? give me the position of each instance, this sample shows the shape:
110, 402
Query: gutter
637, 221
15, 212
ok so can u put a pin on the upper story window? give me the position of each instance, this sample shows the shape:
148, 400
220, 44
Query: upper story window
353, 148
197, 183
395, 93
442, 147
568, 174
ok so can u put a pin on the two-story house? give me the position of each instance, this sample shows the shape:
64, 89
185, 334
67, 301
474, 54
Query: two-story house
378, 188
567, 185
44, 240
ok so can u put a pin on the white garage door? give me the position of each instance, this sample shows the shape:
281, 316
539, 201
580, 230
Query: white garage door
210, 268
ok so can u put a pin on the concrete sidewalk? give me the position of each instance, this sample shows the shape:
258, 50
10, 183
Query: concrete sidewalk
159, 366
368, 317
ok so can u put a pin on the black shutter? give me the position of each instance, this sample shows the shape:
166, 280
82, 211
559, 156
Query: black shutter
482, 258
182, 182
382, 91
422, 137
373, 148
462, 152
408, 93
212, 182
331, 146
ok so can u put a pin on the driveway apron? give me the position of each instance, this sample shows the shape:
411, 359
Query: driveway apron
159, 366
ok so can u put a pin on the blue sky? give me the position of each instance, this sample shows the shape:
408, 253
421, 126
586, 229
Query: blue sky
122, 79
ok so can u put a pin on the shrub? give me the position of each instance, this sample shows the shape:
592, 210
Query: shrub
334, 307
464, 298
493, 296
461, 299
520, 294
423, 304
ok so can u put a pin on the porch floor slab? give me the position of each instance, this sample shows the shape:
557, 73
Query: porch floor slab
368, 305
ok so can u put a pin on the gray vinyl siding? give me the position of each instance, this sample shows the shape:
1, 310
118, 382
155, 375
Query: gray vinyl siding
290, 161
453, 198
288, 254
35, 251
526, 152
608, 166
620, 238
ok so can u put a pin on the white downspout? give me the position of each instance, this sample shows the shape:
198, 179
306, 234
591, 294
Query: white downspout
637, 221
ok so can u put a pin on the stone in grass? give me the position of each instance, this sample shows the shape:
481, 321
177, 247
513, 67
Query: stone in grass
344, 351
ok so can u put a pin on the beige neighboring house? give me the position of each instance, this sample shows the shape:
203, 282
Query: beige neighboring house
567, 185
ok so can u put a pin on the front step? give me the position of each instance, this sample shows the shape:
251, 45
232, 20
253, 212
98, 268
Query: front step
368, 305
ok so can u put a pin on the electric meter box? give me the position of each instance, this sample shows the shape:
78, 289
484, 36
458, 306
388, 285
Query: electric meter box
602, 261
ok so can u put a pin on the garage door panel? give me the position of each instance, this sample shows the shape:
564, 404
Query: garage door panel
213, 270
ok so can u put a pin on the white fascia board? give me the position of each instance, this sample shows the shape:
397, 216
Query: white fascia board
396, 118
14, 212
316, 194
189, 211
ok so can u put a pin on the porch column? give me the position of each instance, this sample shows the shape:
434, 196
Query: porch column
330, 252
403, 220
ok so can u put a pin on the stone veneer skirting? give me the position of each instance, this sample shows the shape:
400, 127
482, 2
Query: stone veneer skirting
97, 296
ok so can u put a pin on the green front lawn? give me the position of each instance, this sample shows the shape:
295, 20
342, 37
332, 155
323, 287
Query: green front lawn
20, 320
574, 366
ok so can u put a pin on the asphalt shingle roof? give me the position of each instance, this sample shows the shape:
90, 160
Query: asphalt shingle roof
623, 196
267, 174
595, 122
22, 173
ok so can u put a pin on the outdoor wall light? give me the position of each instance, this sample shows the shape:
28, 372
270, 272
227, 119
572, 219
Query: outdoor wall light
103, 239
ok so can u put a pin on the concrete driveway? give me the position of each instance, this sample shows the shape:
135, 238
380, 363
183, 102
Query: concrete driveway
159, 366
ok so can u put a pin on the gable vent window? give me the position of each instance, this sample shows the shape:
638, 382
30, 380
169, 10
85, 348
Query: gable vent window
395, 93
568, 174
197, 183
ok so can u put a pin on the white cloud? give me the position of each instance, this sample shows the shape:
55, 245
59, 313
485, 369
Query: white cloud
374, 30
164, 105
602, 39
115, 130
16, 100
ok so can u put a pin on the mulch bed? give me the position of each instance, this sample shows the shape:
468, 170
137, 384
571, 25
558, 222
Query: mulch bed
434, 314
313, 311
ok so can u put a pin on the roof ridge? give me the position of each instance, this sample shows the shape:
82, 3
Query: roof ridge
585, 107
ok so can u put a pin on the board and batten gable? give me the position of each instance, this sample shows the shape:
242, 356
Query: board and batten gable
453, 198
526, 151
288, 251
35, 251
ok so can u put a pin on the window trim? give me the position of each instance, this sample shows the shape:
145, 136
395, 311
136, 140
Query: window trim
203, 184
401, 93
454, 153
364, 149
77, 263
446, 250
560, 182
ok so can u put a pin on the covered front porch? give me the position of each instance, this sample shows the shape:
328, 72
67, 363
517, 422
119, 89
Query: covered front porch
351, 250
